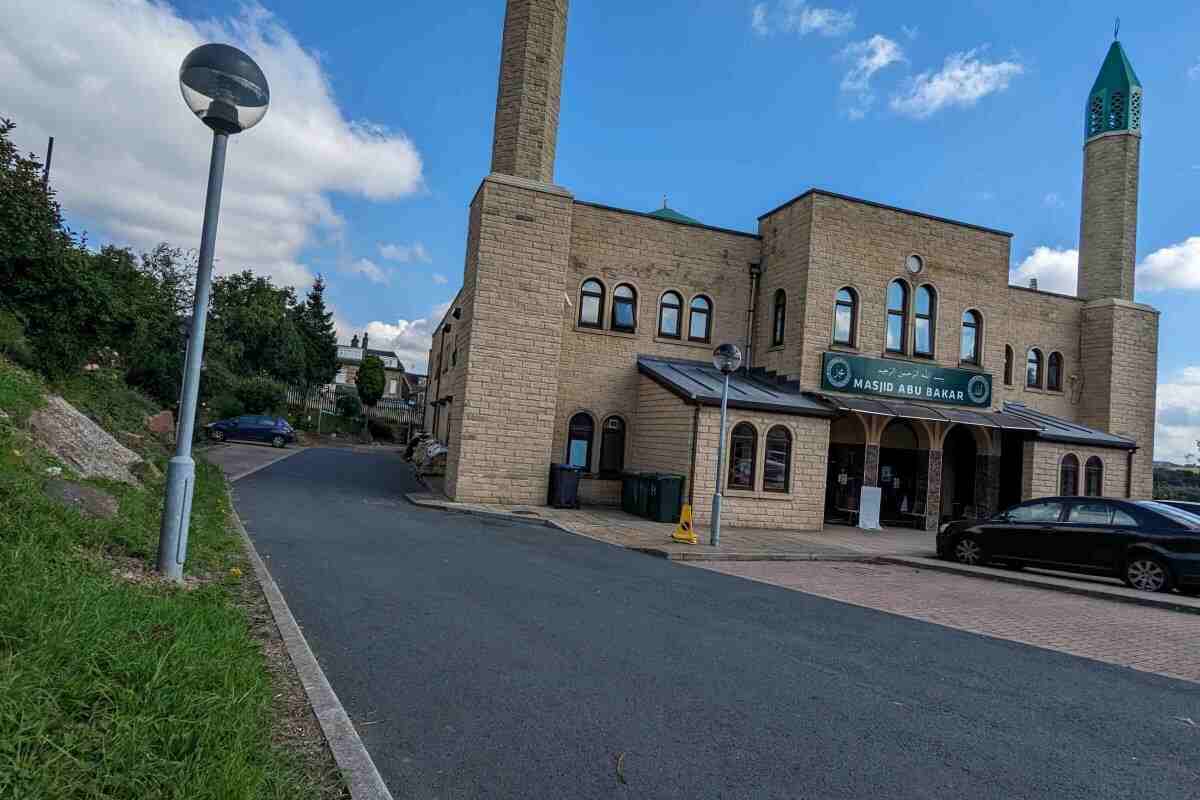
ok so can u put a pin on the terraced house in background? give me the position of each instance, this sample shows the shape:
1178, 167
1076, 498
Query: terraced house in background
883, 346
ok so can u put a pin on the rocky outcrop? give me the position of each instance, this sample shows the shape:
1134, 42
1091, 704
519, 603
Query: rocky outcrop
81, 444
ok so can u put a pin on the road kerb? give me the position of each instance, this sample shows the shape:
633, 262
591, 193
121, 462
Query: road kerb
1116, 594
353, 760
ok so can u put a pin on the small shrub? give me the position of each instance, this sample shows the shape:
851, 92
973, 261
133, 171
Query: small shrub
261, 395
226, 406
381, 431
349, 406
12, 339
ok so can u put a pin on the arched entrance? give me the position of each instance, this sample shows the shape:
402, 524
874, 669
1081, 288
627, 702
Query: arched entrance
959, 460
843, 482
903, 473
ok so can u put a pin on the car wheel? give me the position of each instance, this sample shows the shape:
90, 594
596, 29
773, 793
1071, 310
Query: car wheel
1147, 574
216, 435
277, 441
969, 551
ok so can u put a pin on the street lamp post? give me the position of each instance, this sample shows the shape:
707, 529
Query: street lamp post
229, 93
727, 358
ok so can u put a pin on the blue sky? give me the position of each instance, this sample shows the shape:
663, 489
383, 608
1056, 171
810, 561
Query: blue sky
727, 111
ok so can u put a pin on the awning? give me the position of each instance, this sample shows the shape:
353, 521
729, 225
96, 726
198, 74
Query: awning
1056, 429
700, 382
899, 408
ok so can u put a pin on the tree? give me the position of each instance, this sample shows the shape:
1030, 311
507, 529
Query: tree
252, 329
370, 380
315, 325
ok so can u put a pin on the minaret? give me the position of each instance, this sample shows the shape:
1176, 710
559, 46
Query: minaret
1111, 150
531, 67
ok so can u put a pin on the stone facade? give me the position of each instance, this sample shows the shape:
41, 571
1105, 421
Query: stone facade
1042, 469
511, 363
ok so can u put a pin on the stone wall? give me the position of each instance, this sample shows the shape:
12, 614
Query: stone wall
786, 244
597, 368
1049, 322
801, 508
1042, 462
665, 429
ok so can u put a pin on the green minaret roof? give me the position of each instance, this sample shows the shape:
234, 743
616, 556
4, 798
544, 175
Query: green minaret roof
1115, 102
674, 216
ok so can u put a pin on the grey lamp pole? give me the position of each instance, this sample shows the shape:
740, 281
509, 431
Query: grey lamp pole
229, 93
727, 358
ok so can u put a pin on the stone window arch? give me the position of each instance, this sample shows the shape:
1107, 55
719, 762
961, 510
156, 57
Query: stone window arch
845, 317
1068, 475
743, 456
1054, 372
700, 319
779, 318
1093, 477
925, 324
972, 337
897, 317
1009, 357
624, 308
1035, 367
612, 446
580, 432
777, 464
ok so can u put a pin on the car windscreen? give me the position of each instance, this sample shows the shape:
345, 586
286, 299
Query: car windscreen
1176, 514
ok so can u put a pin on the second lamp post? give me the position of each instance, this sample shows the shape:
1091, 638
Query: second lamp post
727, 358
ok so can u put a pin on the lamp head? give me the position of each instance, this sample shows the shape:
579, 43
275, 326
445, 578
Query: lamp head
224, 88
727, 358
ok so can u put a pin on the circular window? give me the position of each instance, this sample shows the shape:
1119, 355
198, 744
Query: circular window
914, 264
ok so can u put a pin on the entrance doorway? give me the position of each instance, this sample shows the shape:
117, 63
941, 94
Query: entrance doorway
958, 474
843, 482
903, 475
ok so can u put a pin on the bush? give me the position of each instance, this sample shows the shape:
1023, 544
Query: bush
260, 395
226, 407
349, 406
381, 431
12, 339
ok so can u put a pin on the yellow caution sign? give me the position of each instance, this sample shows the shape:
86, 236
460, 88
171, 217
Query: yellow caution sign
684, 533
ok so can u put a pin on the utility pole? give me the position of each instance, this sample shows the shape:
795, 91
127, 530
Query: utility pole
46, 169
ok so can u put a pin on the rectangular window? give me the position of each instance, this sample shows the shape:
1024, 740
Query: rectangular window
622, 315
969, 353
843, 325
924, 345
670, 322
895, 332
589, 313
579, 453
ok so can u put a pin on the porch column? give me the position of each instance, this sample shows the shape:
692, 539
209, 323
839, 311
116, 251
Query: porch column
871, 465
933, 495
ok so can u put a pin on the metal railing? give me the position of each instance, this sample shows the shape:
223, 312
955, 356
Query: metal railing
392, 411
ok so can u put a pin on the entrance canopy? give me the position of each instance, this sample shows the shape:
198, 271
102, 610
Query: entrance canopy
898, 408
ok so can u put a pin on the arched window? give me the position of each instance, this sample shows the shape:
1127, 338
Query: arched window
1093, 477
1008, 365
1068, 475
624, 311
700, 322
1054, 372
972, 330
779, 318
897, 317
777, 468
612, 447
845, 317
669, 309
591, 303
926, 321
743, 450
579, 440
1033, 369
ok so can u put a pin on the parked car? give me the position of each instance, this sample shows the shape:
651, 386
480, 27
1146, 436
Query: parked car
252, 428
1184, 505
1150, 545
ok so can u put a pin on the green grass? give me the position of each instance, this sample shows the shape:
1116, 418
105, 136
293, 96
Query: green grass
111, 688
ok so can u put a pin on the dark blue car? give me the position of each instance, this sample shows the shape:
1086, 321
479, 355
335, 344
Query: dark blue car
252, 428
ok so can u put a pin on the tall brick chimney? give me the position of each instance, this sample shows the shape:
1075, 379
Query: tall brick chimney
531, 67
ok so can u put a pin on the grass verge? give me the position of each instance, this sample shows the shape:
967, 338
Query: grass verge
113, 684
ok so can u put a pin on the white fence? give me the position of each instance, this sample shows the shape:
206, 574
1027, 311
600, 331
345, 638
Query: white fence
392, 411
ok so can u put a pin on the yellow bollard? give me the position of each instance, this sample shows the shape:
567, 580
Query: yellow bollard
684, 533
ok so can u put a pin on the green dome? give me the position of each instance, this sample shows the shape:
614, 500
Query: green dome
1115, 102
674, 216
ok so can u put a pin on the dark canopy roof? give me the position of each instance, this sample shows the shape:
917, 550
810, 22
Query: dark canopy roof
700, 382
1055, 429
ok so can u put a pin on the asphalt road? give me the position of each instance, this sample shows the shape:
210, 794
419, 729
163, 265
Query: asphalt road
482, 658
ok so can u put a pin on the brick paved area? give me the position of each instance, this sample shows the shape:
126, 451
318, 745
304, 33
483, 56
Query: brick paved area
1148, 639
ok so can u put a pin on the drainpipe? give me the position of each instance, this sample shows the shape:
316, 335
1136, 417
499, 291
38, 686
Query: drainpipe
755, 273
692, 466
1129, 475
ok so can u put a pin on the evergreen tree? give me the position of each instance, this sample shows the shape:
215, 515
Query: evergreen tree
370, 380
315, 324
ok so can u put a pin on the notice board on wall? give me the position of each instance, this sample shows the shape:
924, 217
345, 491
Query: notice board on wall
868, 508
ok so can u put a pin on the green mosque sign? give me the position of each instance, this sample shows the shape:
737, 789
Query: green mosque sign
905, 380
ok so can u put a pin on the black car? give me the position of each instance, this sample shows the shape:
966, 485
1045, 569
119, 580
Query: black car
252, 428
1149, 545
1189, 506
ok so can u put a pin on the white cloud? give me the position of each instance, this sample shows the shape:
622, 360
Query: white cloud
1174, 267
867, 58
1177, 425
102, 78
1055, 270
410, 339
797, 16
440, 279
405, 253
963, 80
369, 270
1052, 200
